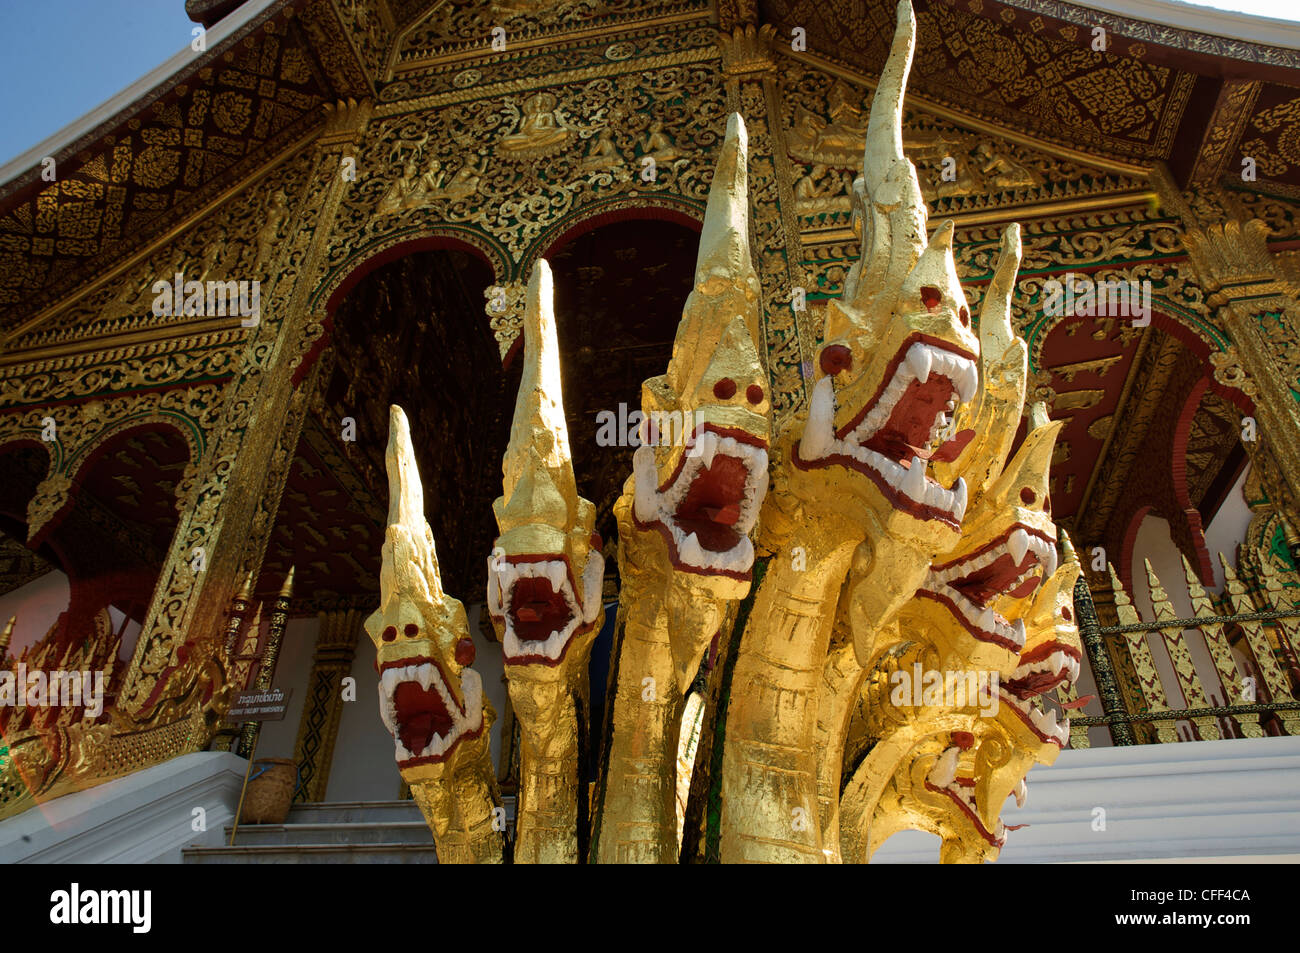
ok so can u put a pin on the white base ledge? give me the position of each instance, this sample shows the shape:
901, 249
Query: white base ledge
1194, 802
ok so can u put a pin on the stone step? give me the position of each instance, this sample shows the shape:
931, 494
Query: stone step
313, 854
291, 833
355, 812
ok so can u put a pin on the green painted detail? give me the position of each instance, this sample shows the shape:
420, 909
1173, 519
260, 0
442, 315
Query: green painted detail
1278, 547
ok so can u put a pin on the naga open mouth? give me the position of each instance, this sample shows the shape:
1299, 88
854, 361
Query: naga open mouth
962, 792
1013, 565
705, 510
1041, 670
542, 613
420, 712
943, 779
910, 421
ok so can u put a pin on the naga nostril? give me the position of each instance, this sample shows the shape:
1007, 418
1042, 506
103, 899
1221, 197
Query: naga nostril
411, 630
390, 633
965, 317
724, 389
1027, 496
754, 393
835, 358
930, 297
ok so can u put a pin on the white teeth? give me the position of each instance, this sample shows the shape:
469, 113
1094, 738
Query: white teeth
919, 361
944, 771
425, 676
1050, 562
1021, 792
593, 576
493, 590
1056, 662
389, 680
1018, 545
1018, 627
691, 551
966, 379
988, 621
706, 447
914, 481
556, 574
1051, 717
959, 499
819, 431
646, 491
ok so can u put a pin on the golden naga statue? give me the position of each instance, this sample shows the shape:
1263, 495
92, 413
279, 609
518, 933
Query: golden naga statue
909, 604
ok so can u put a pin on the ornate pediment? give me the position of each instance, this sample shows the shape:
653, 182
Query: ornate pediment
961, 167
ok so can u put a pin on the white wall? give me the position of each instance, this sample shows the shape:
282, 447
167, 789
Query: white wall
37, 606
1228, 528
292, 670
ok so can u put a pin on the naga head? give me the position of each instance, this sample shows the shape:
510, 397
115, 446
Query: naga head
974, 597
546, 570
1050, 660
900, 360
429, 698
701, 473
980, 769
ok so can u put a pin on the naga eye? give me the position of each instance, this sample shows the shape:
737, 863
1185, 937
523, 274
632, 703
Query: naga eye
412, 630
1066, 614
930, 297
724, 389
390, 633
465, 652
754, 393
835, 358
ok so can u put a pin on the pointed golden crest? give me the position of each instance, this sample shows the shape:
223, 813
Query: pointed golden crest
715, 373
539, 433
888, 210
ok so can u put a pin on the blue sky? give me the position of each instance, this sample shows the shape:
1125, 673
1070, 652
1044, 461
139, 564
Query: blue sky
59, 59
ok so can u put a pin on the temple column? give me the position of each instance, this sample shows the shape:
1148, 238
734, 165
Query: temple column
1259, 308
336, 645
227, 515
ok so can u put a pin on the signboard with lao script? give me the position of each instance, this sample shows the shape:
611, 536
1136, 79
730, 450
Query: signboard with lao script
268, 705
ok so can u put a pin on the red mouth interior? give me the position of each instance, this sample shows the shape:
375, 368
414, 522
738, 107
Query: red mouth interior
420, 715
711, 507
907, 432
1035, 683
992, 580
537, 610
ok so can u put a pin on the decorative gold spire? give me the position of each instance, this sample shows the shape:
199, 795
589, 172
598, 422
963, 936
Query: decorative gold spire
888, 210
539, 501
6, 636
